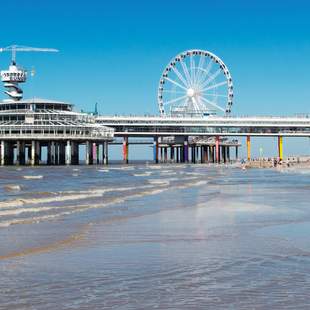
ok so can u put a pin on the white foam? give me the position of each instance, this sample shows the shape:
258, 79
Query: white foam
33, 177
159, 182
12, 187
145, 174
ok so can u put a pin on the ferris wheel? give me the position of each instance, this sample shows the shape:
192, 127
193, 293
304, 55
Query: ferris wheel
195, 83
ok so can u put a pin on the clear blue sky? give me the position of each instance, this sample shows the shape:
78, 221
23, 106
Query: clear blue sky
113, 52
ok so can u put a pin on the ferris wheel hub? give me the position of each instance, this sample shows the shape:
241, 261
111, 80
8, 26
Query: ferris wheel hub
190, 92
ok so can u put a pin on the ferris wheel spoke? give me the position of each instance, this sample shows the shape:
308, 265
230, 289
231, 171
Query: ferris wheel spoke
173, 91
200, 68
211, 78
175, 83
199, 104
214, 95
179, 75
192, 68
175, 100
206, 71
214, 86
212, 103
186, 72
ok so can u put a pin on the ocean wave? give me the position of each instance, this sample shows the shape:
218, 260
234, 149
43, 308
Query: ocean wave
72, 209
64, 196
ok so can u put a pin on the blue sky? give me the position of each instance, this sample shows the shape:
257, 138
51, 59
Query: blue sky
113, 52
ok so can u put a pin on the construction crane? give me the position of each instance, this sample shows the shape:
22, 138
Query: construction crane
15, 75
19, 48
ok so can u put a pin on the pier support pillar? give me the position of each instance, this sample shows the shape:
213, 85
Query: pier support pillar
172, 153
68, 153
185, 151
224, 154
105, 152
166, 154
88, 153
248, 145
194, 154
178, 154
228, 154
155, 150
2, 151
74, 153
20, 153
217, 148
210, 153
62, 153
202, 154
97, 154
34, 159
125, 150
51, 149
7, 153
56, 150
205, 158
280, 147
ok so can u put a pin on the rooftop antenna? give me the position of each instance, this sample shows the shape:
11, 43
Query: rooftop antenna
16, 75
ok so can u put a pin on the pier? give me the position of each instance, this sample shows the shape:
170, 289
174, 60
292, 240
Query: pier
196, 127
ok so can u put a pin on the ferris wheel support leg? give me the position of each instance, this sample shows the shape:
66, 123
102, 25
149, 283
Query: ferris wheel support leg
217, 148
248, 144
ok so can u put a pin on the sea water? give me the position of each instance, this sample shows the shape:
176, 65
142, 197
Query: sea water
154, 237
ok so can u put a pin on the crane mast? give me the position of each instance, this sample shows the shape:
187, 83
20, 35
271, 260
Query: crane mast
15, 75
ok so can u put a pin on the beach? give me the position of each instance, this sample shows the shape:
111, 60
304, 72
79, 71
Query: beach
147, 236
